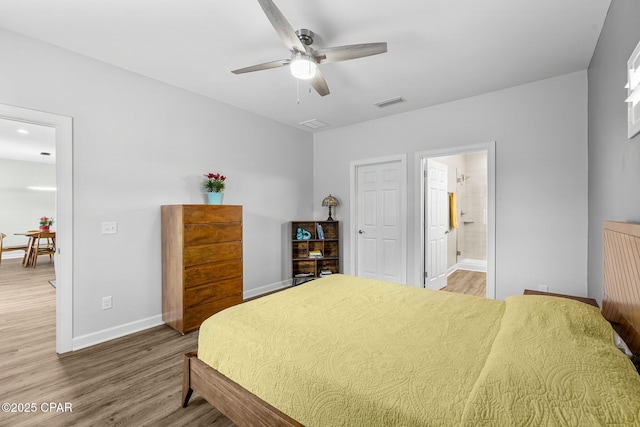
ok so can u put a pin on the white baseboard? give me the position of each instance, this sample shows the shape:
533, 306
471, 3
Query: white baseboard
470, 265
116, 332
12, 254
473, 265
109, 334
266, 289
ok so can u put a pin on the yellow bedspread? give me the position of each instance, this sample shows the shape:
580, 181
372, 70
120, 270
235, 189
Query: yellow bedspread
345, 351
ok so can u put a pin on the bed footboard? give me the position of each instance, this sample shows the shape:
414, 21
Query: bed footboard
238, 404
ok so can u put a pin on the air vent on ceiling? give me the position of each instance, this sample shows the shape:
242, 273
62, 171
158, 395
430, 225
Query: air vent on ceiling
313, 124
388, 102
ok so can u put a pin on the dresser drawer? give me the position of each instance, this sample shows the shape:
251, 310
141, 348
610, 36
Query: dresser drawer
205, 254
207, 273
196, 214
211, 292
199, 313
202, 234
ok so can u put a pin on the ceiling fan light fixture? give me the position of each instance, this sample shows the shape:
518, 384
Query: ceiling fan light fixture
304, 59
303, 66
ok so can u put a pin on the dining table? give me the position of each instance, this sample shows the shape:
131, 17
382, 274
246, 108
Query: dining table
33, 237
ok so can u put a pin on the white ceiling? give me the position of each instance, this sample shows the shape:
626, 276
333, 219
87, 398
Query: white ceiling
438, 50
15, 144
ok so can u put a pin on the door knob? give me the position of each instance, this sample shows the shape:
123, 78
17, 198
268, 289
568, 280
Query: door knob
360, 232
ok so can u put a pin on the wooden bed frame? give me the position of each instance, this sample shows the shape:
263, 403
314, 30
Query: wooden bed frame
621, 306
621, 282
237, 403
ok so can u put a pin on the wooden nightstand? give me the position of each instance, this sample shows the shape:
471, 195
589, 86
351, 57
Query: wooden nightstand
589, 301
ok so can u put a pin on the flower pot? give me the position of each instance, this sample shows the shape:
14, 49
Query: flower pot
44, 228
215, 198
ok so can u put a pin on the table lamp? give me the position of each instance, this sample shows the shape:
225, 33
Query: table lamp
330, 201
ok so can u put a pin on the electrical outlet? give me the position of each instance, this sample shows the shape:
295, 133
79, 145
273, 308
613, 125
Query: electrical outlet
107, 303
110, 227
543, 288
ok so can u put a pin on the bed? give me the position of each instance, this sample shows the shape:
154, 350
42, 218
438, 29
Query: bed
351, 351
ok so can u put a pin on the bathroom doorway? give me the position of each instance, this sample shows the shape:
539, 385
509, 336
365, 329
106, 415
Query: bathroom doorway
470, 220
469, 237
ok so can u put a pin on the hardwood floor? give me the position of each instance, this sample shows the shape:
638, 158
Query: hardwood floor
131, 381
467, 282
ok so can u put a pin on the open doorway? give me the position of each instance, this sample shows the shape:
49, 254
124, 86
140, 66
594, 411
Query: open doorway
466, 240
61, 129
457, 219
28, 181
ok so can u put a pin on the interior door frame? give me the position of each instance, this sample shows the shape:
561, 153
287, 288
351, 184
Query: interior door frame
402, 202
420, 157
64, 214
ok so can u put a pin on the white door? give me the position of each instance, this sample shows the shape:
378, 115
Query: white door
379, 231
437, 225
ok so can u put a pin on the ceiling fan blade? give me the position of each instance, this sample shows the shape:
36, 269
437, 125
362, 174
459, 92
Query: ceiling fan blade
319, 83
282, 26
265, 66
352, 51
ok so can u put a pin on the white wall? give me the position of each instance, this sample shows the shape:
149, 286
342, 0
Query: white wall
614, 160
139, 144
21, 208
540, 131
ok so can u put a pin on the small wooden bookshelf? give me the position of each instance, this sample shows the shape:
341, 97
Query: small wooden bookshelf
317, 255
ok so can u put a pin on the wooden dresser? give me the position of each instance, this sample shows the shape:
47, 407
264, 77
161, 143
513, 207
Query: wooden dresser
201, 262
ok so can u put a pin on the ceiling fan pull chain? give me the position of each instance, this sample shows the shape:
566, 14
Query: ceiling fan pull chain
298, 90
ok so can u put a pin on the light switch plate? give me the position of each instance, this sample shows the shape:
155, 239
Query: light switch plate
110, 227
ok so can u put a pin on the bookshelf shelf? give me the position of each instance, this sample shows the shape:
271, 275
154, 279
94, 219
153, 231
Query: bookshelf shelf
324, 242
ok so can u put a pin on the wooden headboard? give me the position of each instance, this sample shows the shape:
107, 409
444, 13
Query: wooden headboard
621, 281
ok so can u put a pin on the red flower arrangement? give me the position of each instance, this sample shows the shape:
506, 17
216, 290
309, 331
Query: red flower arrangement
214, 182
46, 222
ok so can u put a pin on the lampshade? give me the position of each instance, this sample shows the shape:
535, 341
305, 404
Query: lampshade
303, 66
330, 201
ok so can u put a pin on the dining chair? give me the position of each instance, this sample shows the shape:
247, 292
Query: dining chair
30, 247
45, 244
4, 248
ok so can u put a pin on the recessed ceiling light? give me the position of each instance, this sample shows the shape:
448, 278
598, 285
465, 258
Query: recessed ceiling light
23, 131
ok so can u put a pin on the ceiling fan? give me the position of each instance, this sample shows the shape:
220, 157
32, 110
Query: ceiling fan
304, 59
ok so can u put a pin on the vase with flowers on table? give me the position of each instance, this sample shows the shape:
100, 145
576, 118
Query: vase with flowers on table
45, 224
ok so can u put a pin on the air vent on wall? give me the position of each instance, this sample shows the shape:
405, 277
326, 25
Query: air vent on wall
313, 124
388, 102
